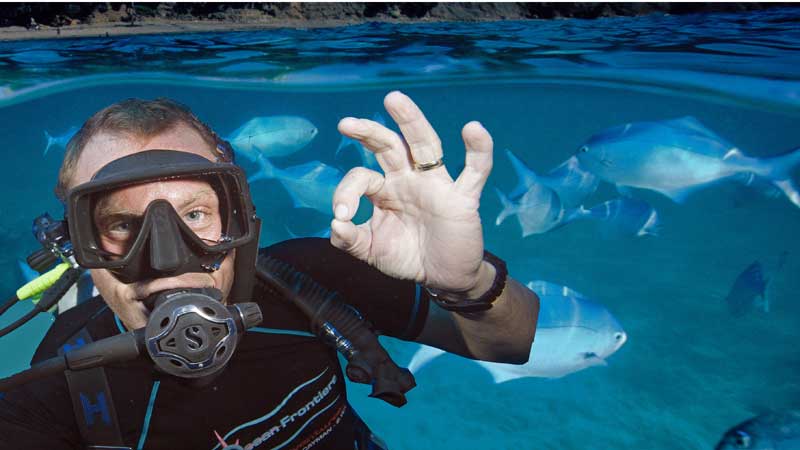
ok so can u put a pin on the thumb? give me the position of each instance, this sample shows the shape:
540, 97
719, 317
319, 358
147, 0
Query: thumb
354, 239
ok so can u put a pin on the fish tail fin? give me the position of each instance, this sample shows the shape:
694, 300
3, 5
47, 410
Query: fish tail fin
50, 142
422, 357
789, 189
266, 170
367, 157
781, 166
508, 207
779, 169
345, 142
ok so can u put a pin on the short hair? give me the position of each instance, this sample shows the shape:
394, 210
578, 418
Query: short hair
137, 118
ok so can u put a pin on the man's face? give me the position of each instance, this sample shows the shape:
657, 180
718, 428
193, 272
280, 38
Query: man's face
194, 201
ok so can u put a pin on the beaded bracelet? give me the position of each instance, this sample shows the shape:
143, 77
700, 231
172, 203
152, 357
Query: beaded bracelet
481, 303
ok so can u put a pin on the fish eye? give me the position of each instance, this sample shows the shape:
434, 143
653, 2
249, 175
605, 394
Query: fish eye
617, 336
583, 149
742, 439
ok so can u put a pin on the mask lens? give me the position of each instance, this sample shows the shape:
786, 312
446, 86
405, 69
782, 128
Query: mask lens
206, 211
115, 233
119, 216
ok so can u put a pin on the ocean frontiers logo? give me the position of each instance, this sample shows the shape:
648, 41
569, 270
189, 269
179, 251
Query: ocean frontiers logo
300, 415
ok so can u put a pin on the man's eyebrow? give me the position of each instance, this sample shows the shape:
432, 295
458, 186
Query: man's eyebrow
196, 196
105, 210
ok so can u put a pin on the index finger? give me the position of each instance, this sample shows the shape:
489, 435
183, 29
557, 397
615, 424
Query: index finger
423, 142
389, 149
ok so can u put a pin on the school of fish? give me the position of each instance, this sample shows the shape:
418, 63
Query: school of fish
672, 157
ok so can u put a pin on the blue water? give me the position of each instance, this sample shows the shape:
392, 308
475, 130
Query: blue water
689, 369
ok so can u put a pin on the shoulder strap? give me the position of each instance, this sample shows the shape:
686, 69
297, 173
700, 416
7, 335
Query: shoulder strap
91, 401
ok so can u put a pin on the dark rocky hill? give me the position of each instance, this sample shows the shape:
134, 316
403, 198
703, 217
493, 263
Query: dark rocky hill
66, 14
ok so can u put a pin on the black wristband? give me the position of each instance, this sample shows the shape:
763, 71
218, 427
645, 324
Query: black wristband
481, 303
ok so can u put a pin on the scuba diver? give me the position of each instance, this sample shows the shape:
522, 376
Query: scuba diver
158, 211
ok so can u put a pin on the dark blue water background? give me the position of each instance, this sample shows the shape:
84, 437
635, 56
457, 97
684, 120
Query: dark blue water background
689, 369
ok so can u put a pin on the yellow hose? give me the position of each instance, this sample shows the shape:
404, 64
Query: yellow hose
44, 281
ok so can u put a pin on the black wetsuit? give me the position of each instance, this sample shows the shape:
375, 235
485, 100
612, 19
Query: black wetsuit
282, 389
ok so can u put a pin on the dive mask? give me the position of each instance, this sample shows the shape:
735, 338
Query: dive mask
161, 241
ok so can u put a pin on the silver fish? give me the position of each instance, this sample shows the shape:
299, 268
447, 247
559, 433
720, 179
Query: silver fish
626, 216
677, 157
272, 136
536, 204
772, 431
746, 290
538, 210
749, 290
572, 334
59, 141
310, 185
569, 180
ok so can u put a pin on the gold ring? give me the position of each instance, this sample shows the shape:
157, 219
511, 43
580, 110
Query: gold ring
422, 167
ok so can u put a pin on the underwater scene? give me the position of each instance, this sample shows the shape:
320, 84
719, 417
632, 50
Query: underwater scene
645, 186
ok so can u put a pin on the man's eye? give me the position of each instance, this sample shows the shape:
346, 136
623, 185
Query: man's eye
121, 227
195, 215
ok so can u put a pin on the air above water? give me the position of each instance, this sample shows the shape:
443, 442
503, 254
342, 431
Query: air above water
644, 181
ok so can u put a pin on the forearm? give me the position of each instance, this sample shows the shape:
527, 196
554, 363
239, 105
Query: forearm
503, 333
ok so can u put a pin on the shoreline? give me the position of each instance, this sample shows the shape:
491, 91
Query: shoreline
117, 29
82, 20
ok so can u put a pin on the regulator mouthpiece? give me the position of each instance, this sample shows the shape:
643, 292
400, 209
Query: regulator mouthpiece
191, 334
